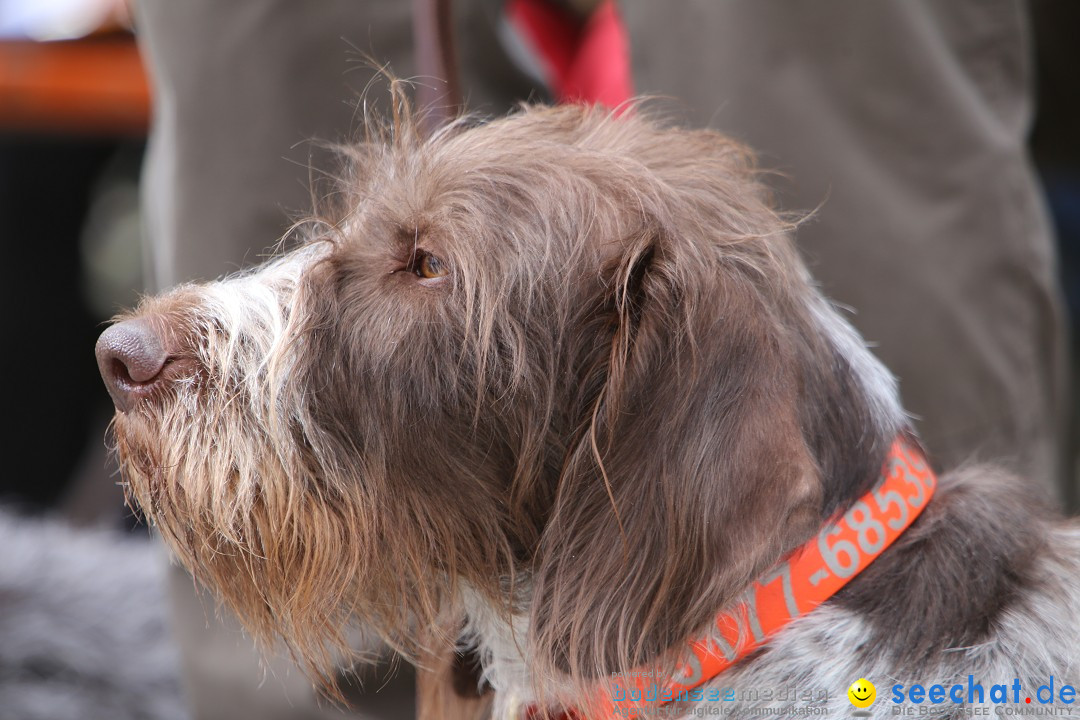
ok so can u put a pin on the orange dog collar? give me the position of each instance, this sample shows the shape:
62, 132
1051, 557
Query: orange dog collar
807, 578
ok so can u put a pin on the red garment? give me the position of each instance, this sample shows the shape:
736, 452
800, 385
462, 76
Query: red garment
587, 63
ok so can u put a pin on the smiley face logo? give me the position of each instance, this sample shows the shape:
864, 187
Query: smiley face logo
862, 693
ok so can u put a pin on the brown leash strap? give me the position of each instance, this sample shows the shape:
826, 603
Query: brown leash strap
438, 89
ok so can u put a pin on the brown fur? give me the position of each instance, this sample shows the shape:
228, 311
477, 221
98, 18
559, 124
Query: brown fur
620, 369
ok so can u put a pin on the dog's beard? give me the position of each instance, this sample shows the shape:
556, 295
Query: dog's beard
301, 543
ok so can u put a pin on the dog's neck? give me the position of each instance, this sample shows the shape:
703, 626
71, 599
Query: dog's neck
803, 581
501, 642
799, 584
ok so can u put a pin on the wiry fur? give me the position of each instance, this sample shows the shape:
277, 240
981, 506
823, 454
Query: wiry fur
624, 403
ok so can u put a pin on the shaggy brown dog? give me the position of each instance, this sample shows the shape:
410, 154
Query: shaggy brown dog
564, 377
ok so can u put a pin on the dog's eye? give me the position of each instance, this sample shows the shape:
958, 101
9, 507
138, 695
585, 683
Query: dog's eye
428, 266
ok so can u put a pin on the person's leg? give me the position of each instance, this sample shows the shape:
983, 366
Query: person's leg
906, 122
240, 87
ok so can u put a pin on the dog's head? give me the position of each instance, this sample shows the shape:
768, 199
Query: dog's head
570, 361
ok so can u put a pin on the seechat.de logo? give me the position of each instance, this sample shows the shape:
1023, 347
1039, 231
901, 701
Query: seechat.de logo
862, 694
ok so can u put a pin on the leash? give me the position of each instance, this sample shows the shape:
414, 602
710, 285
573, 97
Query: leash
580, 59
436, 62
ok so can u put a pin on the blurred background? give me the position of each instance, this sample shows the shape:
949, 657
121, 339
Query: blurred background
74, 116
83, 620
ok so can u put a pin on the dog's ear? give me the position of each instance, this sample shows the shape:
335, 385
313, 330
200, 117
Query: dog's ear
692, 471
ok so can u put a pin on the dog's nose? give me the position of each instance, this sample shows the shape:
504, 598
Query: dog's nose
130, 357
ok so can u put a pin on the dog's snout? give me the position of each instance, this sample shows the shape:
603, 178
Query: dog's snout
130, 356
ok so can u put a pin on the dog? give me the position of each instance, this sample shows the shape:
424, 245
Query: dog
561, 380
